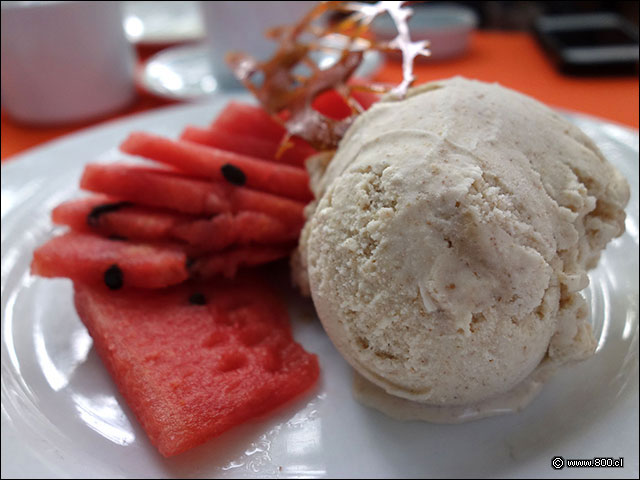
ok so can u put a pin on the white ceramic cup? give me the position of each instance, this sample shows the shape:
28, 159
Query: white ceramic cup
64, 62
240, 26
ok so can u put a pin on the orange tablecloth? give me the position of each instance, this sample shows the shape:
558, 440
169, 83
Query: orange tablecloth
512, 59
515, 60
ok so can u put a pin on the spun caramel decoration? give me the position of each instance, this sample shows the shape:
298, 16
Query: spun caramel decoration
280, 90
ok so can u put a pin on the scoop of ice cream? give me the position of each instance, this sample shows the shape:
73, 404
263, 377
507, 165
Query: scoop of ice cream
451, 235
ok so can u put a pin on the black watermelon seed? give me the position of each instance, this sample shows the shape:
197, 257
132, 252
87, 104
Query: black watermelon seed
117, 238
96, 212
197, 299
189, 263
113, 277
233, 174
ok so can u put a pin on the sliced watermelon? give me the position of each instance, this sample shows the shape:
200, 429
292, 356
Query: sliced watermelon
216, 164
228, 263
110, 217
266, 149
242, 228
93, 259
157, 188
331, 104
249, 120
194, 360
191, 359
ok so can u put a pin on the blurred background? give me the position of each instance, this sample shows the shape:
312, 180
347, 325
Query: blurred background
138, 56
521, 15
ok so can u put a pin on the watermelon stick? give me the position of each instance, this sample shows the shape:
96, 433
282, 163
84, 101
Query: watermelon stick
110, 217
213, 163
158, 188
331, 104
93, 259
113, 217
252, 121
224, 139
228, 262
242, 228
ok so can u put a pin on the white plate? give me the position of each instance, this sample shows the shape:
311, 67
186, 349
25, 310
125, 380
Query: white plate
162, 23
63, 417
184, 72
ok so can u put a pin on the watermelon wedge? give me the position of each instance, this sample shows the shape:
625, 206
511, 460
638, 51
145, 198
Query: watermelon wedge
219, 137
228, 262
220, 165
251, 121
331, 104
158, 188
242, 228
109, 217
93, 259
193, 361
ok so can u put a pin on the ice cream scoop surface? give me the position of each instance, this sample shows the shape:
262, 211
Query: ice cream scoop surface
451, 235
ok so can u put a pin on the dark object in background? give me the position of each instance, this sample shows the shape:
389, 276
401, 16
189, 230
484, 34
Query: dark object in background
590, 44
521, 15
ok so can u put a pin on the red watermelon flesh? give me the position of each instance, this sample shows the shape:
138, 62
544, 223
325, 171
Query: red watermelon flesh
157, 188
193, 361
93, 259
228, 262
333, 105
242, 228
111, 217
249, 120
252, 121
229, 140
214, 163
